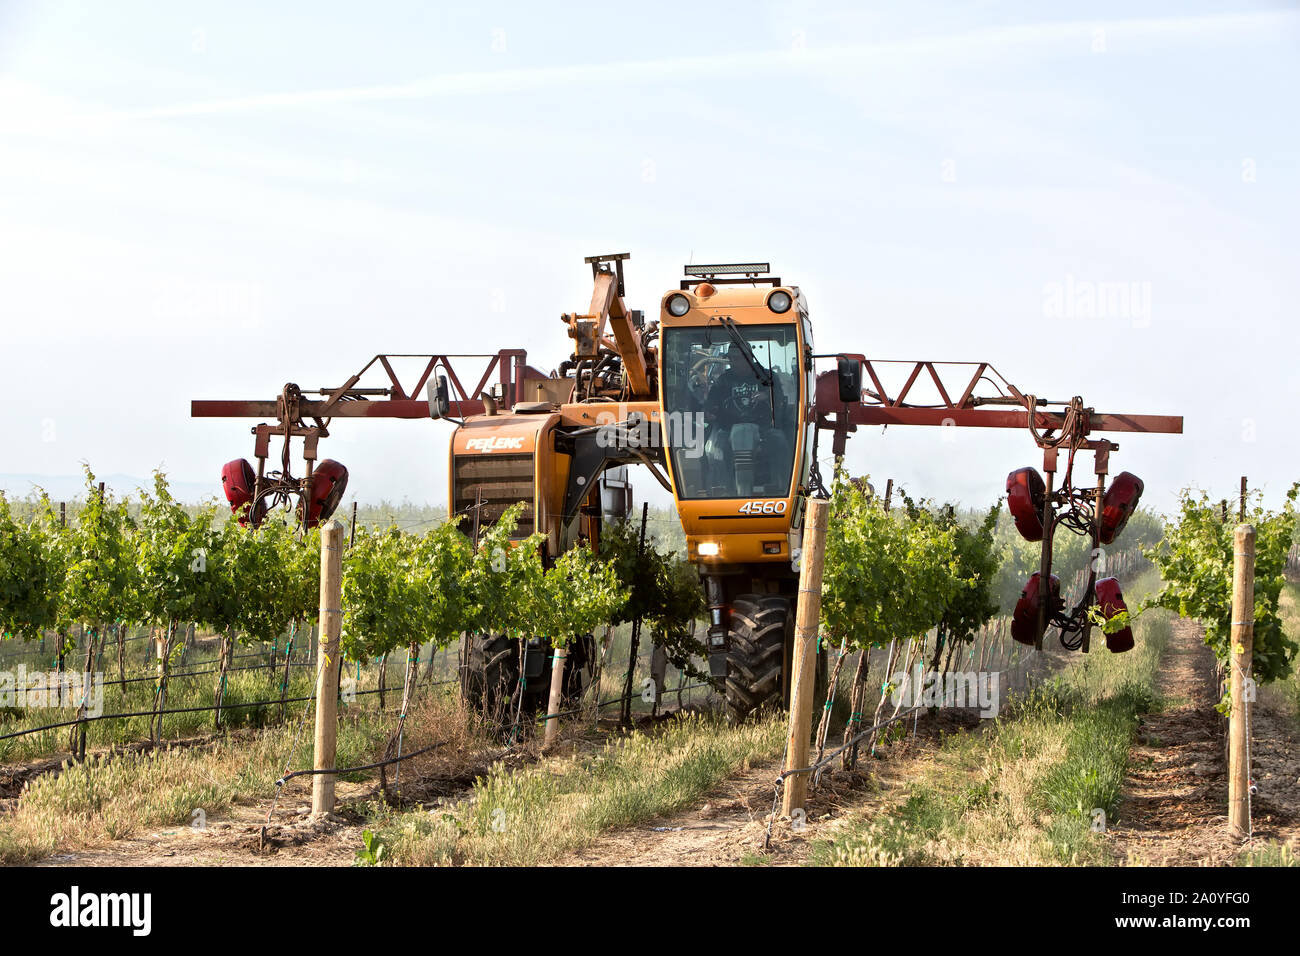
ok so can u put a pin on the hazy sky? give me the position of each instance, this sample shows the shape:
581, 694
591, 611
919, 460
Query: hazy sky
209, 200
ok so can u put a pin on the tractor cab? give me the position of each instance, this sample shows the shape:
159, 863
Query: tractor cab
735, 367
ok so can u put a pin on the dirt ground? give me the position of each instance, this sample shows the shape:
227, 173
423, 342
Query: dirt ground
1174, 808
242, 834
238, 838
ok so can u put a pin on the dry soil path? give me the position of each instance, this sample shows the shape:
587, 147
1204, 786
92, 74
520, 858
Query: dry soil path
1173, 811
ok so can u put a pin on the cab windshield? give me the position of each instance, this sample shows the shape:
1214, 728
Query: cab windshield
731, 397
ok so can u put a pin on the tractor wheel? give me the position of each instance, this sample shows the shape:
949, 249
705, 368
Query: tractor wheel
582, 652
760, 628
491, 675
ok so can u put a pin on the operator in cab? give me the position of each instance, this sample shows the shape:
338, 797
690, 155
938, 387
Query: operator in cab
744, 447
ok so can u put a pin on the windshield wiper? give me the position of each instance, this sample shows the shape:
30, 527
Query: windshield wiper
764, 375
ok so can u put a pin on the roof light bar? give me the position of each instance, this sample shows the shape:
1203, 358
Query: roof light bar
728, 269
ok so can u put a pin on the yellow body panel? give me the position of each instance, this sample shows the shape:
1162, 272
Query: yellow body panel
586, 414
516, 434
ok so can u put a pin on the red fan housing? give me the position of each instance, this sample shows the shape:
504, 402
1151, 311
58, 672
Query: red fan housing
237, 481
1026, 494
1024, 622
1119, 502
328, 483
1111, 601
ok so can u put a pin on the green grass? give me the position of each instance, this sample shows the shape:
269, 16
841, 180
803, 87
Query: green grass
540, 813
1285, 693
1268, 854
1024, 791
105, 799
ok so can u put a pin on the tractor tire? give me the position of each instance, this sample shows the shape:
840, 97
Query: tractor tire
761, 626
491, 675
582, 652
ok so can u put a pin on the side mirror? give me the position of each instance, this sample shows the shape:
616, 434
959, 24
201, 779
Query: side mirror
850, 378
439, 399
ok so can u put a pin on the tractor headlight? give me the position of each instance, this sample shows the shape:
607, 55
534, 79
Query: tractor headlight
709, 549
678, 305
779, 301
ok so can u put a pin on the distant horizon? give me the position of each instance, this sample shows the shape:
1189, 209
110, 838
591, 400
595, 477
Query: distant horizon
58, 487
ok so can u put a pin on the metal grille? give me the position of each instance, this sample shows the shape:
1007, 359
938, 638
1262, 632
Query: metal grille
494, 482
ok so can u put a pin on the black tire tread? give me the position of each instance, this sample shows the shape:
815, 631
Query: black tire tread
755, 653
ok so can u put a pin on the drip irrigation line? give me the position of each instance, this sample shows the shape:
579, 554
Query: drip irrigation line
299, 773
370, 766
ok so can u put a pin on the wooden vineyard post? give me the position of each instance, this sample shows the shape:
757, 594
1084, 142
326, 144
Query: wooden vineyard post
558, 657
804, 657
1243, 635
327, 667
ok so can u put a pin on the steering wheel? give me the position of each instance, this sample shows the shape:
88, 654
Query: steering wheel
730, 403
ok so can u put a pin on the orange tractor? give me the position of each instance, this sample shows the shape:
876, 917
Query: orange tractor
720, 398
